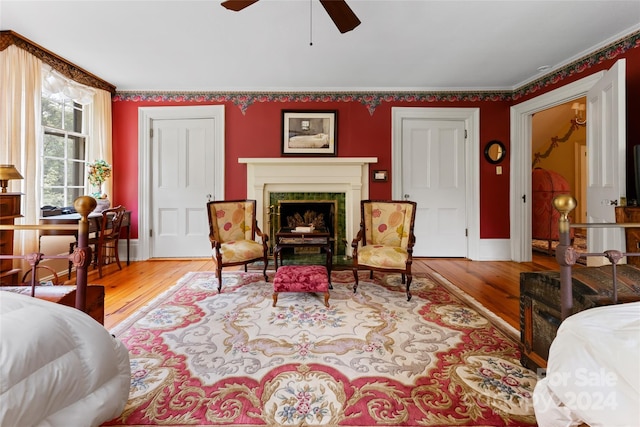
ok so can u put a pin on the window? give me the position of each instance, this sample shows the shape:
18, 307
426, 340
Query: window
64, 151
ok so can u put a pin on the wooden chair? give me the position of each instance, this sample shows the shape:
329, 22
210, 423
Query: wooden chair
385, 239
232, 232
105, 242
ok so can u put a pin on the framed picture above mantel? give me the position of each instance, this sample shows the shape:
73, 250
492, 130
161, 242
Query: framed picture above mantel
309, 133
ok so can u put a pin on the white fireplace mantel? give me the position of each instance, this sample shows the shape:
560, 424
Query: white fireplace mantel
349, 175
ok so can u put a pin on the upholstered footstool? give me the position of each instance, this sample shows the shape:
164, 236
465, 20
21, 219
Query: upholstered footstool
301, 278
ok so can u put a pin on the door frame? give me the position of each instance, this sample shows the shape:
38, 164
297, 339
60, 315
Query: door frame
146, 116
471, 117
521, 126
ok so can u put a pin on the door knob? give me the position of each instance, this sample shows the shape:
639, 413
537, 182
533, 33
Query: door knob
406, 196
208, 197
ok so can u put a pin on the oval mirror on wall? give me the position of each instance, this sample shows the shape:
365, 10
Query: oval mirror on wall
494, 151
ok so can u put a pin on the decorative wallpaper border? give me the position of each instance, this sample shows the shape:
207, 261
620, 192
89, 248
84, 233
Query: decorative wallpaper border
579, 66
371, 100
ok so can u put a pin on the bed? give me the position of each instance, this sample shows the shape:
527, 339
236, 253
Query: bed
593, 371
58, 366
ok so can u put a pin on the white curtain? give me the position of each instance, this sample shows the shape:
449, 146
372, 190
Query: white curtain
98, 125
20, 97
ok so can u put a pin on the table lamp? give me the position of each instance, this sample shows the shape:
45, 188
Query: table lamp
8, 172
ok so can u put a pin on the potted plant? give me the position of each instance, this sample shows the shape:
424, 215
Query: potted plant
97, 173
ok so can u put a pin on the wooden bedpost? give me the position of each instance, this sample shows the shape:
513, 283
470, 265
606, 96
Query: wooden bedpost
84, 205
565, 253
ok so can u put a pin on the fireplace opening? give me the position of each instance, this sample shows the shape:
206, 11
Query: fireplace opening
327, 207
319, 213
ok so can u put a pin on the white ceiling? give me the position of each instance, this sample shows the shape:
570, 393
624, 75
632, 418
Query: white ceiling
165, 45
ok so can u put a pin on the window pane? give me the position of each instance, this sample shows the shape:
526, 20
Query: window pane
53, 197
51, 113
77, 118
72, 194
53, 145
75, 173
76, 147
68, 116
53, 172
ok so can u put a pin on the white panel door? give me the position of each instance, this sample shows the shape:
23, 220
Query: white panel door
182, 178
606, 145
433, 175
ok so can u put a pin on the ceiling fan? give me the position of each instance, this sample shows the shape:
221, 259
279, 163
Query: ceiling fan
338, 10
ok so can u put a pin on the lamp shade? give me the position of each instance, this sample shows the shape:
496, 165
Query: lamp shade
8, 172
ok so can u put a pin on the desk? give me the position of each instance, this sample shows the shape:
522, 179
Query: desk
94, 225
9, 211
318, 238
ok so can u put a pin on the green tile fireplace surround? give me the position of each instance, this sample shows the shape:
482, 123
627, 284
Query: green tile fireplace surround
339, 251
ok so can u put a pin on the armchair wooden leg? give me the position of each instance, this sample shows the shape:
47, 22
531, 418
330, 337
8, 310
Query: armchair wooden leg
219, 271
409, 278
265, 261
355, 276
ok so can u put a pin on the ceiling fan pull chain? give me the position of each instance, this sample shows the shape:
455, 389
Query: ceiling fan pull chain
310, 22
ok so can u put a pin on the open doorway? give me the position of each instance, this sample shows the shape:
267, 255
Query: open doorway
558, 153
605, 93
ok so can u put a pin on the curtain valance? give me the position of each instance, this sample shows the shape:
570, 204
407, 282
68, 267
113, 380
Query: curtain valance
62, 66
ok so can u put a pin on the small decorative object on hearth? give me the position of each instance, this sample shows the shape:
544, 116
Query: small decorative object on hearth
97, 173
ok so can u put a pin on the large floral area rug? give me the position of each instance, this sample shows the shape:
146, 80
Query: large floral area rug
199, 358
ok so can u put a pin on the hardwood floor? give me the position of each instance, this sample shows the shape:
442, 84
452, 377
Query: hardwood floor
496, 285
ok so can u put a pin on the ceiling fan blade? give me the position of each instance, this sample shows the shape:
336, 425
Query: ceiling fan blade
341, 14
237, 5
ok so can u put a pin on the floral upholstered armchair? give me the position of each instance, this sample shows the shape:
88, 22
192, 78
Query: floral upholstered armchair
385, 240
232, 231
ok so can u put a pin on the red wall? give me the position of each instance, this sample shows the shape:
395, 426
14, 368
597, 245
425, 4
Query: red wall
257, 133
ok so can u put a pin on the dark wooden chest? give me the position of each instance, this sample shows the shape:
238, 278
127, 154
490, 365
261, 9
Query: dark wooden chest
540, 303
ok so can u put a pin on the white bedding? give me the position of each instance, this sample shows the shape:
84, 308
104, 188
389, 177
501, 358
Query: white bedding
58, 366
593, 371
